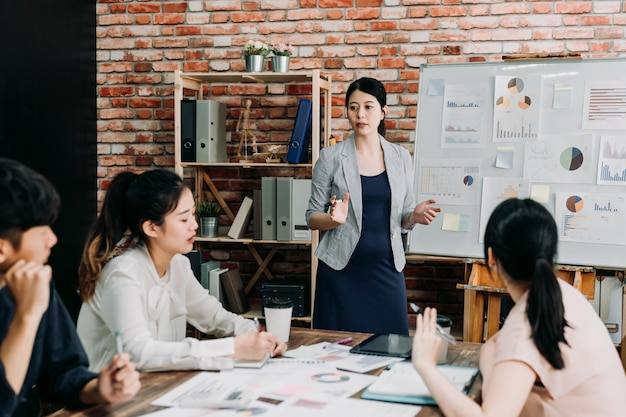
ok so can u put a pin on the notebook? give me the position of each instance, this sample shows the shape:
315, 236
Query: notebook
401, 383
248, 363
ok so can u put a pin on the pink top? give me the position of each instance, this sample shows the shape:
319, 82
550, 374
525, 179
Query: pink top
592, 383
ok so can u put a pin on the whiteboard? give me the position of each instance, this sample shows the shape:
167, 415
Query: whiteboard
525, 128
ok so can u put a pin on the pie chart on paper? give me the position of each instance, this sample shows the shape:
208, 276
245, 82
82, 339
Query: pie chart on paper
571, 159
524, 103
503, 103
574, 204
515, 85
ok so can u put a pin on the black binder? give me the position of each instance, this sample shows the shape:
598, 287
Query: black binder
188, 130
298, 152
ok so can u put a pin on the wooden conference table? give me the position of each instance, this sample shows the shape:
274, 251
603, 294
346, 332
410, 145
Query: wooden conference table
155, 384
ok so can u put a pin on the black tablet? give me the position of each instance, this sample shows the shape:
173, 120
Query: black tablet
396, 345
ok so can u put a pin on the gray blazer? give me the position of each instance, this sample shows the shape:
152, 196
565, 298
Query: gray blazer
337, 172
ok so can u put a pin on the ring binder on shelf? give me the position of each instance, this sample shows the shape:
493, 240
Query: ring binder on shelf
298, 152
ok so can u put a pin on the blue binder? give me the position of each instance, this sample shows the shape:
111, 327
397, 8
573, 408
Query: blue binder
298, 152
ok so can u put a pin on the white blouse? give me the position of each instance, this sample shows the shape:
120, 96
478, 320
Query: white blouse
151, 315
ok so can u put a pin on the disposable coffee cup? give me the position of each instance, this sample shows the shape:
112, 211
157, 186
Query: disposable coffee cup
446, 325
278, 317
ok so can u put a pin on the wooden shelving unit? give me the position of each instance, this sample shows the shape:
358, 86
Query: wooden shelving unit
185, 82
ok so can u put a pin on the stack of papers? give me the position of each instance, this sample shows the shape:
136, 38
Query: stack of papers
340, 357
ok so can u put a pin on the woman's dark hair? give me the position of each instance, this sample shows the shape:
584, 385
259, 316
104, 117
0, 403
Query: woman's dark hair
523, 237
373, 87
27, 199
130, 200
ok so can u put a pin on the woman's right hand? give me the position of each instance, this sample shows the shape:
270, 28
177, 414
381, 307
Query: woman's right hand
426, 341
255, 345
339, 210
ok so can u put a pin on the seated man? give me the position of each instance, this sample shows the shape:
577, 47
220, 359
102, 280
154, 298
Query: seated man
40, 351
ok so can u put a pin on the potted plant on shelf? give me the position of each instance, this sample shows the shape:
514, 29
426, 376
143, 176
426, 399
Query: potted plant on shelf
255, 52
209, 214
282, 52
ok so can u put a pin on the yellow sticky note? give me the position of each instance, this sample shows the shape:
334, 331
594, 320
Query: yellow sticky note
451, 222
540, 193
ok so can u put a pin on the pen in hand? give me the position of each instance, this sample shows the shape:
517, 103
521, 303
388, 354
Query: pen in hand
257, 324
442, 333
118, 343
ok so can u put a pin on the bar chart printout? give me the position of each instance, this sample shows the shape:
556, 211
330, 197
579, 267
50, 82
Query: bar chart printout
612, 161
591, 218
604, 105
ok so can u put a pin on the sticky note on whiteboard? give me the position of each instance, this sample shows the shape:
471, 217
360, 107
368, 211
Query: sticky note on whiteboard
453, 222
540, 193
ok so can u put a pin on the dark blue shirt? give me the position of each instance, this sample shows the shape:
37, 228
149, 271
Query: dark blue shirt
58, 364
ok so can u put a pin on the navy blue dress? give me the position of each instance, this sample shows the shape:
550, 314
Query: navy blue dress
368, 295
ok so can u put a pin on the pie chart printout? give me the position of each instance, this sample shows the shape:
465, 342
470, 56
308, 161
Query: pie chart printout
571, 159
515, 85
524, 103
503, 103
574, 204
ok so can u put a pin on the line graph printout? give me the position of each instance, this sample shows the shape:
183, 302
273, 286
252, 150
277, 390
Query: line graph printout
590, 218
517, 108
561, 159
454, 181
463, 123
604, 105
495, 191
612, 160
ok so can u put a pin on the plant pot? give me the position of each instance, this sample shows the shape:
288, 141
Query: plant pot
280, 63
254, 63
209, 226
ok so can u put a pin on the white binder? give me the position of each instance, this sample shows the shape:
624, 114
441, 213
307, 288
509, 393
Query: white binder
300, 193
210, 131
268, 208
215, 285
283, 208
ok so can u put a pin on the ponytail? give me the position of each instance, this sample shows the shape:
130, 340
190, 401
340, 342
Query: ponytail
546, 313
106, 232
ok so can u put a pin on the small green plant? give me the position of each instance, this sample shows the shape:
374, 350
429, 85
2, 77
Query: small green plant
207, 208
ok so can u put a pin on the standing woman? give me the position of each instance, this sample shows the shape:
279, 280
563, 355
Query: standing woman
553, 355
360, 281
135, 282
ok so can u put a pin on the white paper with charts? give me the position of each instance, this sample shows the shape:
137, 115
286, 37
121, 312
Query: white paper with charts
340, 357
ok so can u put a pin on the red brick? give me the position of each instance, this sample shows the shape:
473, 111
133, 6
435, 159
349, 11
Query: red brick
335, 3
169, 19
144, 8
174, 7
144, 102
362, 14
572, 7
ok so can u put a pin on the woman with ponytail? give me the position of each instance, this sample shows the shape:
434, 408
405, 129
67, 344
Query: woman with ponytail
553, 355
136, 284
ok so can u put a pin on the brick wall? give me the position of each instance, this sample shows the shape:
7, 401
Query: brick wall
141, 43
